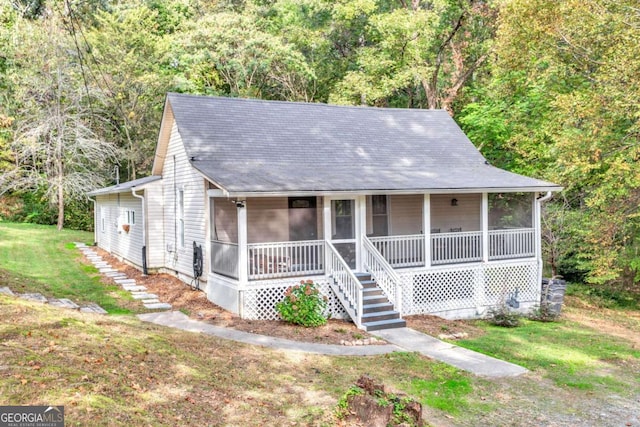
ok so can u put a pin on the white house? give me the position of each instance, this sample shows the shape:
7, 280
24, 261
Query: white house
391, 211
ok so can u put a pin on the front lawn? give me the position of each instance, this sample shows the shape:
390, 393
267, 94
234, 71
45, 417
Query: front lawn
38, 258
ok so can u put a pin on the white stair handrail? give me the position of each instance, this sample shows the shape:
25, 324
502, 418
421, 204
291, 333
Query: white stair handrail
347, 283
383, 273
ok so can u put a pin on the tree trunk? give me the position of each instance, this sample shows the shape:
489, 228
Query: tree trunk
60, 196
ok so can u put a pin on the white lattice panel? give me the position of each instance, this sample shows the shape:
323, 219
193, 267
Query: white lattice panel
428, 291
259, 301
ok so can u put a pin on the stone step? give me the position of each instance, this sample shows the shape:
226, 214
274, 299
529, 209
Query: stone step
92, 308
143, 295
125, 281
158, 306
134, 288
6, 291
34, 297
107, 270
63, 303
116, 275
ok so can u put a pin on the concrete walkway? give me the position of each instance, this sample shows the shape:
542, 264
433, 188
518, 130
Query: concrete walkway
401, 339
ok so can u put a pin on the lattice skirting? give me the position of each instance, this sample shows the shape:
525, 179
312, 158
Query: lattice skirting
469, 289
259, 301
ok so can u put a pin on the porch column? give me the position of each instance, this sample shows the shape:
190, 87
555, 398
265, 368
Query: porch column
426, 226
243, 262
361, 229
326, 228
485, 227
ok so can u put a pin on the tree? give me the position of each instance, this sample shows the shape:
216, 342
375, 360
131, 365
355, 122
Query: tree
229, 53
417, 54
563, 104
55, 149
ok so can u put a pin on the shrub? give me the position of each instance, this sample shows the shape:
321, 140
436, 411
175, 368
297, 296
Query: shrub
543, 313
303, 305
503, 316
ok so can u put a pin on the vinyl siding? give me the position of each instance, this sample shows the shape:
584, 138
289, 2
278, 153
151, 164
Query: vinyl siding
155, 225
465, 215
178, 175
405, 214
113, 238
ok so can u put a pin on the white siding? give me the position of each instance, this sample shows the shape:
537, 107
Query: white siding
179, 175
466, 215
155, 225
113, 238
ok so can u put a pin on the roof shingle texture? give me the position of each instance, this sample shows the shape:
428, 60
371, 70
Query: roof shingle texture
258, 146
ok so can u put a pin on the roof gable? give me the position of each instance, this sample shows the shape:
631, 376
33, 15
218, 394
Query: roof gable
254, 146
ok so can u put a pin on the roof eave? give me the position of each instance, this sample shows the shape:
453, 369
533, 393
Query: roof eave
340, 193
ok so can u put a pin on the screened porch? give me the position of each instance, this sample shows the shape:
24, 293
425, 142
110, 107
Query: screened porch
282, 237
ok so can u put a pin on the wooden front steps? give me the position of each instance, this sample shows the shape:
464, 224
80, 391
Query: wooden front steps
377, 312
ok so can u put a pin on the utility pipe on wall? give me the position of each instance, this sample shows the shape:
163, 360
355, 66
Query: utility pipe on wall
144, 233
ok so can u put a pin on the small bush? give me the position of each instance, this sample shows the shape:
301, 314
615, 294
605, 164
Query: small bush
543, 313
303, 305
503, 316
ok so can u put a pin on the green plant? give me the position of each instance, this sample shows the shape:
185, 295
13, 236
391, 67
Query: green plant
343, 404
303, 305
543, 313
502, 315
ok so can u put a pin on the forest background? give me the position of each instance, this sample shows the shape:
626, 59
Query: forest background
545, 88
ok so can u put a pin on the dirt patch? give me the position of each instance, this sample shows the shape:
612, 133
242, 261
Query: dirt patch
444, 329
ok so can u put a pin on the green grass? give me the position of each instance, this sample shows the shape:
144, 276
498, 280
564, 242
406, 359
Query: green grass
570, 354
603, 296
38, 258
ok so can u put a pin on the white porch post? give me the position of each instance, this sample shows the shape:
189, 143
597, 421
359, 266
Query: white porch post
426, 226
480, 273
485, 227
243, 262
327, 229
361, 229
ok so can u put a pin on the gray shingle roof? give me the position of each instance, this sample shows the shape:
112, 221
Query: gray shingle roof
124, 187
248, 146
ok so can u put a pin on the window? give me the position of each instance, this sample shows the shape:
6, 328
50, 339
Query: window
103, 222
380, 215
181, 217
131, 217
343, 211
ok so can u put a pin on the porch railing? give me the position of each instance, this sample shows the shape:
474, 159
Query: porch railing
285, 259
383, 273
224, 258
515, 243
401, 251
348, 285
449, 248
